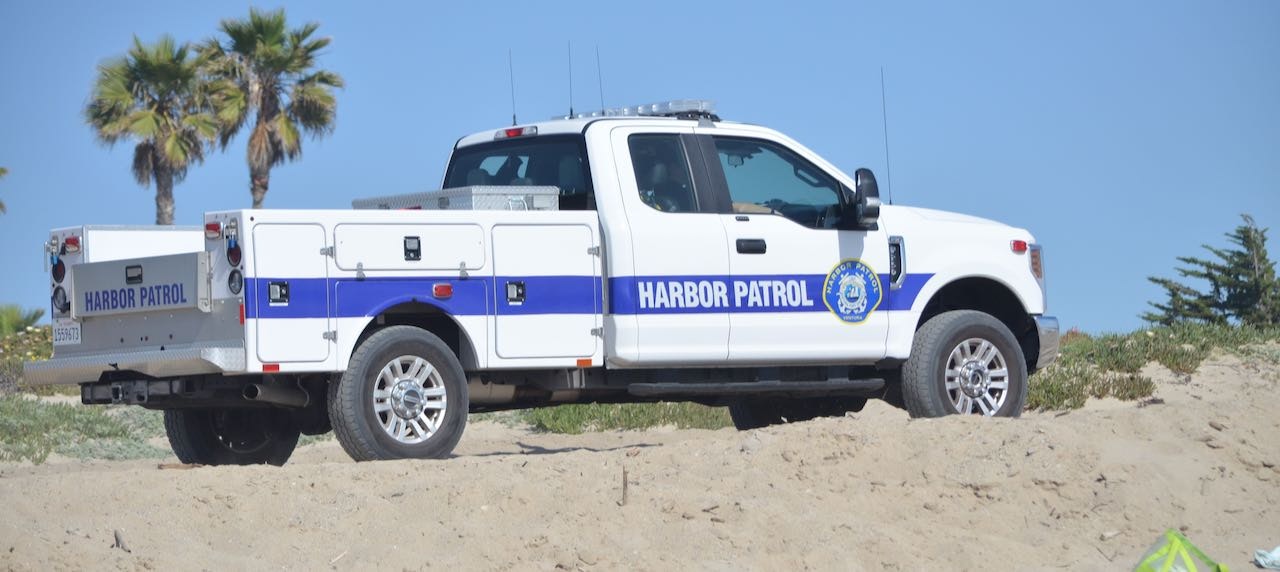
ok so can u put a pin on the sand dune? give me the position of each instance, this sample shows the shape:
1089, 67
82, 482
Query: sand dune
1086, 490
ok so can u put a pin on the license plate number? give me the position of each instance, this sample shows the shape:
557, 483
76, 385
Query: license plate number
66, 332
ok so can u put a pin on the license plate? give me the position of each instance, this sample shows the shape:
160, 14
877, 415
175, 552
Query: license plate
66, 332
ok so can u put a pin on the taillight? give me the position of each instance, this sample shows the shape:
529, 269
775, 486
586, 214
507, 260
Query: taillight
1037, 261
59, 270
213, 230
71, 245
233, 254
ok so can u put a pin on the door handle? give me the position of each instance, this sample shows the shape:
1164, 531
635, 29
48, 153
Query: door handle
751, 246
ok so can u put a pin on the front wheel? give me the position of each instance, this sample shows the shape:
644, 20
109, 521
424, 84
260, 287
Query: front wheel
964, 362
230, 436
403, 396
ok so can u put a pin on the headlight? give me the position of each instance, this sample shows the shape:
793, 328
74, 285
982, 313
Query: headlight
235, 282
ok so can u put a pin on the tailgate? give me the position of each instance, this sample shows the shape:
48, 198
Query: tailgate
159, 283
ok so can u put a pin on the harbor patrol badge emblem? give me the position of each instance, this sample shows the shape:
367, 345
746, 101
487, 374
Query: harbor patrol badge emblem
852, 291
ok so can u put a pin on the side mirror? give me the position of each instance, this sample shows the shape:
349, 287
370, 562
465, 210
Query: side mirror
864, 210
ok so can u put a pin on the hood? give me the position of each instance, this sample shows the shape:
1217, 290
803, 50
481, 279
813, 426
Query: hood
944, 216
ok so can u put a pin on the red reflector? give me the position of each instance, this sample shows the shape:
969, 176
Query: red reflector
442, 290
212, 230
242, 312
1018, 246
270, 367
584, 362
71, 243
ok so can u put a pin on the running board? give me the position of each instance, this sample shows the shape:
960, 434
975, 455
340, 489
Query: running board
756, 387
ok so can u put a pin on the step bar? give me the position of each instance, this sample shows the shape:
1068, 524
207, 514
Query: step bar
807, 388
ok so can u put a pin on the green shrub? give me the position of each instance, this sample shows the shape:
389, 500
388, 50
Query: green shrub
1108, 365
31, 429
577, 418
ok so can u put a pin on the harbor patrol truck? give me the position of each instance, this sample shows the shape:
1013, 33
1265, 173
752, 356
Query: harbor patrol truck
652, 253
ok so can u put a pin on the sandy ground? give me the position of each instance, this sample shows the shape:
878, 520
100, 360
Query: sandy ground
1087, 490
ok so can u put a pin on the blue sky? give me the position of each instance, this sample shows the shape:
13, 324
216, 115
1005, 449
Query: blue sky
1122, 134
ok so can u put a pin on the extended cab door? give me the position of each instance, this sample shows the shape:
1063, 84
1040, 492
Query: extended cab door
804, 290
668, 293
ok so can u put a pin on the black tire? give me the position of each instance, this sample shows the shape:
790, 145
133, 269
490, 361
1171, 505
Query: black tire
231, 436
924, 390
757, 412
351, 402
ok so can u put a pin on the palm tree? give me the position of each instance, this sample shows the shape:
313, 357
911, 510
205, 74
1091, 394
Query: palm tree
155, 95
3, 172
14, 319
274, 71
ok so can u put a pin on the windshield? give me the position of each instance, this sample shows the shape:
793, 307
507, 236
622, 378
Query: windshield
554, 161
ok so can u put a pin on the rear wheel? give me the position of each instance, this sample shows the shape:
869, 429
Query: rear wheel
757, 412
231, 436
964, 362
403, 396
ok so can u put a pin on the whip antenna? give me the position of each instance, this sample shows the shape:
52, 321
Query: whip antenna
599, 79
884, 115
511, 77
570, 79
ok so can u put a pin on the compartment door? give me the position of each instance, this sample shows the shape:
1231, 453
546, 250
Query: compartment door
290, 293
547, 291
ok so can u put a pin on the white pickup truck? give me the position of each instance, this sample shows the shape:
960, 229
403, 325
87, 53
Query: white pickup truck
641, 254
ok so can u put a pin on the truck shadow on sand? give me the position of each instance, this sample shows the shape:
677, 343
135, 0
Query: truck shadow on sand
527, 449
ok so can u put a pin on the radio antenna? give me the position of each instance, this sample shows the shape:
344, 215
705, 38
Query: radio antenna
884, 115
599, 79
511, 77
570, 79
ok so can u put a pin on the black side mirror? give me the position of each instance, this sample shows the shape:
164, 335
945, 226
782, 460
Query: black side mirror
864, 210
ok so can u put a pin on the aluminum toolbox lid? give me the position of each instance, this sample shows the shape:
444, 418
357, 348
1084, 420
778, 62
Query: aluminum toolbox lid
431, 199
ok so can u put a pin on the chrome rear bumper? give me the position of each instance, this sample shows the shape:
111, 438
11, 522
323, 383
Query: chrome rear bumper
154, 363
1047, 327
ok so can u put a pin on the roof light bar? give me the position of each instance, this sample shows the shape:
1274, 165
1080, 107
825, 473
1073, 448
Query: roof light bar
679, 108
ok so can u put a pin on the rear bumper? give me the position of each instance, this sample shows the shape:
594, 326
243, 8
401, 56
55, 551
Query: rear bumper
1047, 328
154, 363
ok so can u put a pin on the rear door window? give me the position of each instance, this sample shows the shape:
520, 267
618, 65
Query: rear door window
550, 160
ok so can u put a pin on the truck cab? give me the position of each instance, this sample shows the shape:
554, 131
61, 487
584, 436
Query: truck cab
685, 258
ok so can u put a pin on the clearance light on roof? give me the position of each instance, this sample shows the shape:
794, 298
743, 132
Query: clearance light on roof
213, 230
516, 132
681, 108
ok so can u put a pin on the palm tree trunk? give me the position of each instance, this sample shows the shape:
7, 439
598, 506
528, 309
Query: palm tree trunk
164, 196
258, 182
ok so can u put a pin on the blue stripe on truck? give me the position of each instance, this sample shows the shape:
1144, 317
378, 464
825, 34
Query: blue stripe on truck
480, 296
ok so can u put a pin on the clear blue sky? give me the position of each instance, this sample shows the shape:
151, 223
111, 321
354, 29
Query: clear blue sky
1122, 134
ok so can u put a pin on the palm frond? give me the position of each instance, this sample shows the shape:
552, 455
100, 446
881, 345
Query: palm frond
144, 162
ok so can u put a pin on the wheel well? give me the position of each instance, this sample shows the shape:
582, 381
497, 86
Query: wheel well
431, 319
993, 298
